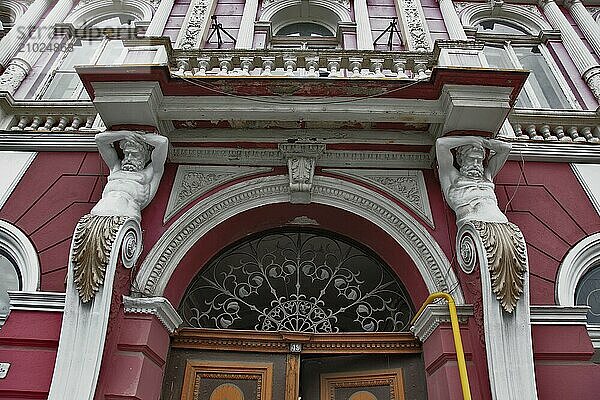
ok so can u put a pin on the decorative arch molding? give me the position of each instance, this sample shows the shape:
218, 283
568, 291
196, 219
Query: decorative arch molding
16, 244
337, 8
579, 260
84, 12
156, 270
474, 13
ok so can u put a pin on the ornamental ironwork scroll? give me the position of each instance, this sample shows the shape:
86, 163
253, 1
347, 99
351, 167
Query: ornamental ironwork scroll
297, 281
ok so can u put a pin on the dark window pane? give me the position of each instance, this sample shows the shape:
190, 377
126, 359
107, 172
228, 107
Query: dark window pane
588, 293
297, 281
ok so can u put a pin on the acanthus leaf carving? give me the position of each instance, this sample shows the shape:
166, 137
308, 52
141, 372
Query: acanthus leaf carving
92, 244
301, 160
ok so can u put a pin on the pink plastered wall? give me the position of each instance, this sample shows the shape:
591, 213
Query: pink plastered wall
176, 18
229, 15
381, 13
435, 22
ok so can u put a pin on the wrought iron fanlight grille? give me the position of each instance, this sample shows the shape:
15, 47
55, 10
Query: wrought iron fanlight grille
297, 281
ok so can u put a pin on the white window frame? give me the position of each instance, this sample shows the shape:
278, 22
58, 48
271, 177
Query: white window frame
509, 42
579, 260
15, 244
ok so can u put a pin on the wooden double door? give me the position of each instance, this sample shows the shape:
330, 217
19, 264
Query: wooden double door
241, 365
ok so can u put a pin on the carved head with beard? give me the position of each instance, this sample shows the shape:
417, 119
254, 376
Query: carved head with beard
470, 160
136, 154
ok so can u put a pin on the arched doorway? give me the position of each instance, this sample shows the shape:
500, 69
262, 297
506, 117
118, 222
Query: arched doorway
295, 313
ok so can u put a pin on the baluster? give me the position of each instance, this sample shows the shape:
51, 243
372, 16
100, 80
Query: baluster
312, 67
203, 64
400, 69
48, 125
547, 134
572, 131
586, 132
533, 134
224, 66
355, 66
74, 124
596, 132
22, 124
289, 65
333, 65
182, 66
377, 67
62, 123
519, 131
560, 134
268, 63
35, 124
246, 64
420, 69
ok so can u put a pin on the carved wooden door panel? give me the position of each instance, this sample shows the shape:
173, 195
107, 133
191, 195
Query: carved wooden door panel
365, 385
220, 380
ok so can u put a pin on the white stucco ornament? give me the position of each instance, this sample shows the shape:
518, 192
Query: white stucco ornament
467, 166
109, 233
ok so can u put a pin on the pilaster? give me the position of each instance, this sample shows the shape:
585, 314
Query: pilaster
364, 37
451, 20
19, 67
160, 17
196, 25
583, 59
12, 42
245, 36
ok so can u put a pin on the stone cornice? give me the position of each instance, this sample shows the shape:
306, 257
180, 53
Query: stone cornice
555, 152
46, 142
37, 301
436, 314
157, 306
559, 315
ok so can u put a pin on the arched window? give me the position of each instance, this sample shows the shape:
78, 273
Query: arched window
19, 265
509, 45
308, 26
588, 294
300, 281
578, 282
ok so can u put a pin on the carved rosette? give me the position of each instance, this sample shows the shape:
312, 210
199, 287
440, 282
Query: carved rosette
502, 247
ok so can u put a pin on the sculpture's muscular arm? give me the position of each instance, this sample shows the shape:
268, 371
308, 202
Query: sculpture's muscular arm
497, 160
158, 158
104, 141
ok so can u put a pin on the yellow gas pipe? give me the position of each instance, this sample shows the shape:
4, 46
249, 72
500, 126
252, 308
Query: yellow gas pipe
460, 354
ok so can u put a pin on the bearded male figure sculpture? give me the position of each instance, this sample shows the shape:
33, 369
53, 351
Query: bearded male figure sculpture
111, 229
132, 183
469, 191
467, 166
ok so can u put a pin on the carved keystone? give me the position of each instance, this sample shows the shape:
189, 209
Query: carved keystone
301, 161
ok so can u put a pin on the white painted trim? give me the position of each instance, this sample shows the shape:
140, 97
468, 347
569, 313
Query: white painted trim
81, 14
156, 270
586, 186
274, 8
594, 332
157, 306
474, 13
4, 196
47, 142
435, 314
580, 259
558, 315
18, 246
419, 206
37, 301
85, 325
583, 153
210, 178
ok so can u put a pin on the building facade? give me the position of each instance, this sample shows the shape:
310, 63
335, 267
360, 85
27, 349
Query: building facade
227, 199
